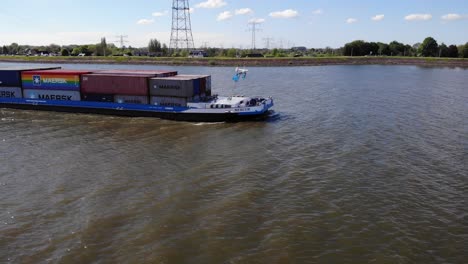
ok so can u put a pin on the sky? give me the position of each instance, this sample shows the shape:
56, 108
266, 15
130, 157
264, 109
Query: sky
225, 23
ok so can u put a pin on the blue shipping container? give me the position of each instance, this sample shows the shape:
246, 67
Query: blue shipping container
196, 86
10, 78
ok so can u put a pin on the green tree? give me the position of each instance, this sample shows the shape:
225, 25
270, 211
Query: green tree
275, 52
452, 51
464, 52
14, 48
353, 48
104, 46
232, 53
371, 48
443, 50
64, 52
154, 46
396, 48
76, 51
429, 48
184, 53
409, 51
5, 50
54, 48
361, 48
165, 50
383, 49
101, 49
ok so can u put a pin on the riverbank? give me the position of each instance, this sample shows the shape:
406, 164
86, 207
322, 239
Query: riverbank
221, 61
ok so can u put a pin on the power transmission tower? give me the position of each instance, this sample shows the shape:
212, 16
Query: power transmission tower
122, 39
254, 29
181, 33
268, 42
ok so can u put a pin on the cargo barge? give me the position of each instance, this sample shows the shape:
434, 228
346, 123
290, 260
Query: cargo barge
143, 93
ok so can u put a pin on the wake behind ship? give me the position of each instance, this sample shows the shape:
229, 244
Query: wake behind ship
142, 93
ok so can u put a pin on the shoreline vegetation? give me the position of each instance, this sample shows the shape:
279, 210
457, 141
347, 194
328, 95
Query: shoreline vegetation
229, 62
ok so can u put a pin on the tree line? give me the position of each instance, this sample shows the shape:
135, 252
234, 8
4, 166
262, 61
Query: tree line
428, 48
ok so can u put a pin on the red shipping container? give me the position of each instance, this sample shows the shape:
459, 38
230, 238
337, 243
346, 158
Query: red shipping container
155, 73
128, 84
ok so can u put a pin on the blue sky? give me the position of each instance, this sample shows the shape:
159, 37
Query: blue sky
310, 23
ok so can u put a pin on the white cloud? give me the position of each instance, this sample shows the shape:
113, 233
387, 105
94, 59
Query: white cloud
351, 20
452, 17
224, 15
288, 13
257, 20
159, 14
418, 17
317, 12
211, 4
244, 11
378, 17
145, 21
192, 10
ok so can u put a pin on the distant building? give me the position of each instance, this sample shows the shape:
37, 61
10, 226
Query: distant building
254, 55
299, 49
198, 54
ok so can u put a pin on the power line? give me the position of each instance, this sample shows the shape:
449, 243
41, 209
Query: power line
253, 28
122, 39
181, 32
268, 42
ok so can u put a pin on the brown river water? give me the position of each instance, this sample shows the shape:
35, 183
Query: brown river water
358, 164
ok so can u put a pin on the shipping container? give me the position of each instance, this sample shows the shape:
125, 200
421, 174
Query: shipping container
175, 87
168, 101
203, 86
106, 98
52, 80
205, 82
208, 85
154, 73
11, 92
128, 84
11, 76
52, 95
131, 99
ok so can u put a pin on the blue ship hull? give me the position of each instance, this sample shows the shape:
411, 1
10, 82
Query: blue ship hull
129, 110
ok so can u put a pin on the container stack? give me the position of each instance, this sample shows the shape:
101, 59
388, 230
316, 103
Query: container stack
59, 85
178, 90
119, 86
10, 82
163, 88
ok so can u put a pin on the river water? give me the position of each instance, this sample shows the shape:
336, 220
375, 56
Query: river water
358, 164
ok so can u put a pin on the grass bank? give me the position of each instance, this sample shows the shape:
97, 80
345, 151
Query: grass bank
222, 61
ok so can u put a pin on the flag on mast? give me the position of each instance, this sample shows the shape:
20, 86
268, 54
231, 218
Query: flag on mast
240, 73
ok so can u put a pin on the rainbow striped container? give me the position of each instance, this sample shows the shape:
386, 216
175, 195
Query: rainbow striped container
64, 80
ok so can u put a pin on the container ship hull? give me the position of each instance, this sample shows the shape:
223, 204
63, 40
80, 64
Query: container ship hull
133, 110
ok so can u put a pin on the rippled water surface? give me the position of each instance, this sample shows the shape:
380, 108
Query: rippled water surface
359, 164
